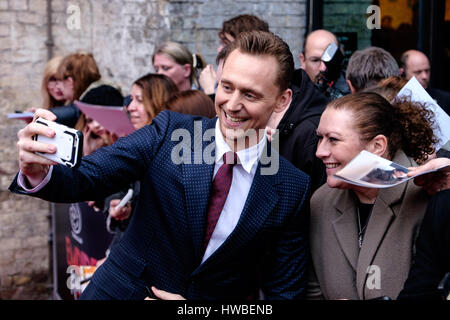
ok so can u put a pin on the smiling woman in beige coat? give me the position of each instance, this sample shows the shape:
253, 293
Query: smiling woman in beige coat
362, 239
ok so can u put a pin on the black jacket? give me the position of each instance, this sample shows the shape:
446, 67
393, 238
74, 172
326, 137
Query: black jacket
432, 258
442, 97
297, 128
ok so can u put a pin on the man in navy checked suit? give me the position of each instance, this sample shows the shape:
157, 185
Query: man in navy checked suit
259, 241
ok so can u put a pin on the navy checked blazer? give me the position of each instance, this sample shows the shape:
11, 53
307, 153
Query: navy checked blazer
162, 245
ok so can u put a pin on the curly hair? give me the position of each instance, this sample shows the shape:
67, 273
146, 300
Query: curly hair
407, 125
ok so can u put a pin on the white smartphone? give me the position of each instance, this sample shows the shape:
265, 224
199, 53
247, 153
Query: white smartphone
68, 142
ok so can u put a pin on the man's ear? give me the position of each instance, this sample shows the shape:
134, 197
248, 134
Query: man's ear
352, 88
378, 146
301, 56
401, 72
283, 101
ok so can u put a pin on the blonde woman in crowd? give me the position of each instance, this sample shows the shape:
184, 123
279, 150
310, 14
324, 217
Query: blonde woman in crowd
179, 64
52, 96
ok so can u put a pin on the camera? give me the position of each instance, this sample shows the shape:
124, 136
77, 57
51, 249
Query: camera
333, 58
68, 142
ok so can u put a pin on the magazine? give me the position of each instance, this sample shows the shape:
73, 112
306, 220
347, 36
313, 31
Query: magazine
114, 119
371, 171
21, 115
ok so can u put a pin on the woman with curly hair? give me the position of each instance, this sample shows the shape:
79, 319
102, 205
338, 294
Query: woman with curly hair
362, 239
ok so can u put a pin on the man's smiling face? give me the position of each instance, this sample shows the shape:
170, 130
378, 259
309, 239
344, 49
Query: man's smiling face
247, 95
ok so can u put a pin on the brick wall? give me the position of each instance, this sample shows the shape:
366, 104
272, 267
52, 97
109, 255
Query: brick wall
23, 222
122, 36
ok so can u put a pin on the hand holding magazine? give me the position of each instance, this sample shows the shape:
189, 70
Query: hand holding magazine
371, 171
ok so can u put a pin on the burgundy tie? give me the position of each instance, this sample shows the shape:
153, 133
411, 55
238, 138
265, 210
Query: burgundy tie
220, 188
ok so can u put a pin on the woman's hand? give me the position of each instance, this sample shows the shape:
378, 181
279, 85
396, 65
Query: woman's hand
120, 213
434, 181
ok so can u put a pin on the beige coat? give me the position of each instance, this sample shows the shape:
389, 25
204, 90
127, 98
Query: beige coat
340, 269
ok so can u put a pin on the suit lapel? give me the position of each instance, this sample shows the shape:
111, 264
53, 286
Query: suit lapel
261, 200
345, 227
197, 180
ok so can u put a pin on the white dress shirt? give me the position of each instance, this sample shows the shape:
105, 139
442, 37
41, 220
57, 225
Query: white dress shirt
243, 174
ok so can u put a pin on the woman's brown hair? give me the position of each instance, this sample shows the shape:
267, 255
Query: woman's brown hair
407, 125
82, 68
157, 89
388, 88
194, 102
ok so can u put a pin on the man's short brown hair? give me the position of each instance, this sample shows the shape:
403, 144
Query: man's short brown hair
261, 43
367, 67
242, 23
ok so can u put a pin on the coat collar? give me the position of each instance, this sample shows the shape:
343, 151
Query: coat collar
345, 226
381, 218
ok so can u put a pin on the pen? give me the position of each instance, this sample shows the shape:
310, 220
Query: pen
125, 199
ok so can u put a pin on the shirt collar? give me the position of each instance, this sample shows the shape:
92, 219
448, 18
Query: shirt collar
247, 157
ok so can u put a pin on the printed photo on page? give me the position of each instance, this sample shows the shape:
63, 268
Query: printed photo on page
371, 171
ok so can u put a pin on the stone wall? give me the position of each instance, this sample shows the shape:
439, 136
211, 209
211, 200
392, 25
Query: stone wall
122, 35
23, 222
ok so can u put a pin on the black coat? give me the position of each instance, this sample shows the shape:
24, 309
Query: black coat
298, 138
442, 97
432, 259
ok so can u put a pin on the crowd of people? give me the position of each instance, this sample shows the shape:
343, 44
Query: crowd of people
226, 229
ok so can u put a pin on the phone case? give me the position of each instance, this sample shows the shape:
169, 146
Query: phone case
68, 142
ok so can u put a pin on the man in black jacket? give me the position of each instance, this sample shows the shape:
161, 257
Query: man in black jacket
311, 61
297, 128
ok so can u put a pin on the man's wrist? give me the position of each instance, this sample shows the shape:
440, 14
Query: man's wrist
34, 184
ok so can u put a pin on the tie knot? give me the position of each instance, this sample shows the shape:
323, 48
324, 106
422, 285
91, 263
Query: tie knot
230, 158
